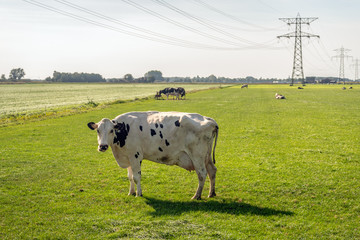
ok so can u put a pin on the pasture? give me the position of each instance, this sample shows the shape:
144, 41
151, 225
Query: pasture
287, 169
22, 99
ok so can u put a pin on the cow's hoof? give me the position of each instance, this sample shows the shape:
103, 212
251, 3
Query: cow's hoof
196, 197
212, 195
139, 195
132, 194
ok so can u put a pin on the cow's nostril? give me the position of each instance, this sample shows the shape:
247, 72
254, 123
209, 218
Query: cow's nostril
104, 147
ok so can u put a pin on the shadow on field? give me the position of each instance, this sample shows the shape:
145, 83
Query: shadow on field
166, 207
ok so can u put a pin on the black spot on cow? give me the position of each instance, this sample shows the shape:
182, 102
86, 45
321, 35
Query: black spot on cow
140, 128
156, 125
140, 162
166, 142
152, 132
136, 155
165, 159
120, 134
160, 149
139, 172
177, 123
161, 125
161, 136
128, 128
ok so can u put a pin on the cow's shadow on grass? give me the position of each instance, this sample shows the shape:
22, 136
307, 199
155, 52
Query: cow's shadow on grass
167, 207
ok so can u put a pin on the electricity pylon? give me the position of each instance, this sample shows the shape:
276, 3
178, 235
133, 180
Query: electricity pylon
298, 70
356, 65
342, 55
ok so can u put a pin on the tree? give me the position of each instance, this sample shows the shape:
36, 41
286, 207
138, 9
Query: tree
153, 75
16, 74
128, 77
212, 78
3, 78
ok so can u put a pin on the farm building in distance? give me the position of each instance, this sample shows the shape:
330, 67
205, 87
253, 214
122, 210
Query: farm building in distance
310, 79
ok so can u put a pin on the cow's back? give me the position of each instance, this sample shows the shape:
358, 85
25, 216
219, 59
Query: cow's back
165, 136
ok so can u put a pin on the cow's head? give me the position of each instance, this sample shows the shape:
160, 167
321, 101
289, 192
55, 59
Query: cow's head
109, 132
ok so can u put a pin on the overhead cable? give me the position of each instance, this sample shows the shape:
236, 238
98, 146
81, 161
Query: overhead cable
206, 24
109, 27
139, 32
254, 26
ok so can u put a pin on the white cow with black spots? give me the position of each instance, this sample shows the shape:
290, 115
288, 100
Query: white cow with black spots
172, 138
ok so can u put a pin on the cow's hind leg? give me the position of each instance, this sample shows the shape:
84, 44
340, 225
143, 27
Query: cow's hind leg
211, 169
201, 173
132, 183
136, 169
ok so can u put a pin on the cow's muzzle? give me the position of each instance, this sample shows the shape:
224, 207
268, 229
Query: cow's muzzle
103, 148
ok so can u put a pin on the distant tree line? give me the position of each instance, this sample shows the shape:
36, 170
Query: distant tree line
75, 77
156, 76
213, 79
152, 76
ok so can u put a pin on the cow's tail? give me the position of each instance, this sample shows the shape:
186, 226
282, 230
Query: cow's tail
215, 134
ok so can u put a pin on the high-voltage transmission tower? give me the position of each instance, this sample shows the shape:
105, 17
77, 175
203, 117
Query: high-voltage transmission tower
356, 65
342, 55
298, 70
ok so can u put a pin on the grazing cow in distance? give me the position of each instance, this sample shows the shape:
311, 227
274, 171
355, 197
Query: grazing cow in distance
245, 86
300, 88
343, 88
171, 138
181, 92
169, 91
279, 96
350, 87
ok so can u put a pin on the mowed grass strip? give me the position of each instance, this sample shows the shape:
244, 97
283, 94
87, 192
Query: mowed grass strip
287, 169
30, 98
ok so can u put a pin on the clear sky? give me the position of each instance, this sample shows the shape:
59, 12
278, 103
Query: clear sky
185, 38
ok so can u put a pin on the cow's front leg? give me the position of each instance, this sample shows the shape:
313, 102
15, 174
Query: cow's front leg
136, 170
132, 184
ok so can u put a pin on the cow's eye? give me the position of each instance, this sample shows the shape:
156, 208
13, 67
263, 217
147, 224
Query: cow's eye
111, 131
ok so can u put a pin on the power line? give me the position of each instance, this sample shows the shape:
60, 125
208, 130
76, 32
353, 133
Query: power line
214, 9
298, 70
321, 57
240, 46
147, 34
116, 21
158, 38
205, 23
178, 24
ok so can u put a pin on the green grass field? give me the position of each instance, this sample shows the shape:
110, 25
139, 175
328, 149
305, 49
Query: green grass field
287, 169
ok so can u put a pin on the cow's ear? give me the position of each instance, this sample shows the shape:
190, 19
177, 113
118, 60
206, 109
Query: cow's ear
92, 125
116, 125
